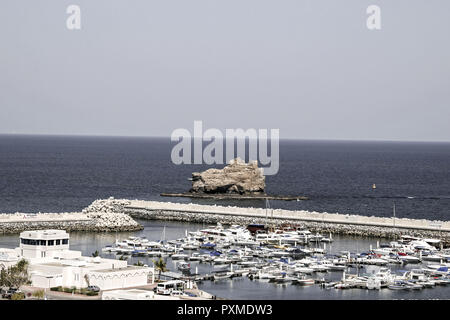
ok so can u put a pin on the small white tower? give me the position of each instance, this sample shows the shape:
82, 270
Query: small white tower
43, 243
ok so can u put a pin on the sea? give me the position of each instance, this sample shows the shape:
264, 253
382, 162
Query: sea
67, 173
41, 173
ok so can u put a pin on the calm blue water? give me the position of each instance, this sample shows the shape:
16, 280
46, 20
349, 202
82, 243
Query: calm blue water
61, 173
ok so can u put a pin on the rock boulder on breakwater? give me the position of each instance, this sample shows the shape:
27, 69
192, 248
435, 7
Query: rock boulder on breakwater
108, 214
236, 178
110, 205
100, 216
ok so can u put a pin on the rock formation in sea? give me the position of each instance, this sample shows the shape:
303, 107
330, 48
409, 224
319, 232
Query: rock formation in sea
236, 178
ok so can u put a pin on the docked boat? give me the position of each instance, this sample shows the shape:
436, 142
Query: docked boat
398, 285
139, 253
222, 275
179, 256
409, 259
413, 286
155, 253
303, 281
183, 266
342, 285
196, 256
109, 249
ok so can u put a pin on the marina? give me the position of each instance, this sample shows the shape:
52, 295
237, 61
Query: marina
230, 262
373, 269
276, 251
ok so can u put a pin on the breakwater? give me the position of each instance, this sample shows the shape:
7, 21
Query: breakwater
391, 228
70, 221
110, 215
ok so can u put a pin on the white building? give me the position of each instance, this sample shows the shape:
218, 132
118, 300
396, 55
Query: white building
52, 264
8, 257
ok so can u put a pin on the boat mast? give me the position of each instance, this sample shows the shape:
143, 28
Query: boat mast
267, 203
394, 214
163, 236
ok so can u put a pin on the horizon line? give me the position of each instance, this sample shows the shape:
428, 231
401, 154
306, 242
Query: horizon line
168, 137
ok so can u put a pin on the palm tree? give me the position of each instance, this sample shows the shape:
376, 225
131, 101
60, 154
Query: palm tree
86, 277
160, 265
17, 275
95, 254
3, 277
139, 264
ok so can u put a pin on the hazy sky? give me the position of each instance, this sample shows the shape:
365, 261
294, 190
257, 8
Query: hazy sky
146, 67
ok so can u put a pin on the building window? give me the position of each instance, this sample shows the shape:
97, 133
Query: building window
51, 242
41, 242
58, 242
65, 241
29, 242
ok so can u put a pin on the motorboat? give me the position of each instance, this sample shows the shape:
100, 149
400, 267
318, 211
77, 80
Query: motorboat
139, 253
303, 269
398, 285
195, 257
155, 253
303, 281
222, 275
183, 266
336, 267
179, 256
409, 259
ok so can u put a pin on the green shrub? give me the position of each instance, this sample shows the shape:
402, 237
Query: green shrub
39, 294
56, 288
18, 296
92, 293
67, 290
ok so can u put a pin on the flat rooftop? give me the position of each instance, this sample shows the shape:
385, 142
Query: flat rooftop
39, 234
120, 269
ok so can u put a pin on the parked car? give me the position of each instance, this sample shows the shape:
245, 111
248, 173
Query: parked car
177, 293
9, 292
190, 294
3, 290
93, 288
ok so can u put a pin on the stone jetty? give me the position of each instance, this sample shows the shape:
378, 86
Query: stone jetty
118, 215
98, 217
314, 221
